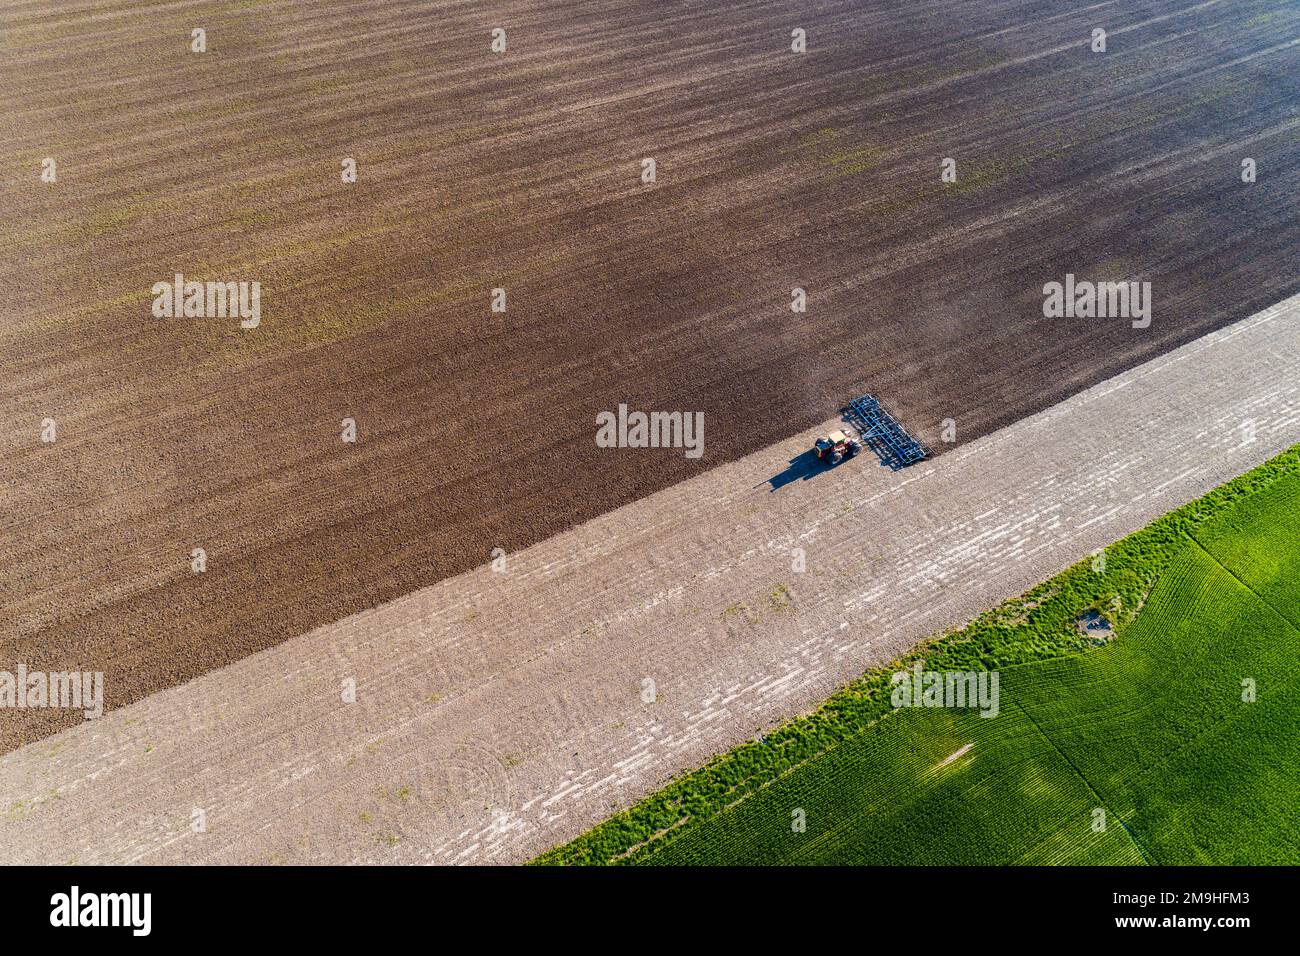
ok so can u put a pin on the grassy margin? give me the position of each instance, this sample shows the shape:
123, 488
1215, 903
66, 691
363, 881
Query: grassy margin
1038, 625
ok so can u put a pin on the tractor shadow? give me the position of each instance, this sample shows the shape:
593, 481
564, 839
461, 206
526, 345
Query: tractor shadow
806, 465
802, 467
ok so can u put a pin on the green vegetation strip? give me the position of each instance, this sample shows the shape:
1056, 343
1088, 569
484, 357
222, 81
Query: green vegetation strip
1056, 774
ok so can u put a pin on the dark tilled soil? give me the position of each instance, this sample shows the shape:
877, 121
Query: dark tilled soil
522, 171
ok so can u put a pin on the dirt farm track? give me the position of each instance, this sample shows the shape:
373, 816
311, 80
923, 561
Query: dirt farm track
522, 170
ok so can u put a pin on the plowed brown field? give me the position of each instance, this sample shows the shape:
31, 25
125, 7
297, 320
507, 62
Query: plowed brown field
522, 170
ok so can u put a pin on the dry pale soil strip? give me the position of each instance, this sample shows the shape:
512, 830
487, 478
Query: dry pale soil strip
499, 713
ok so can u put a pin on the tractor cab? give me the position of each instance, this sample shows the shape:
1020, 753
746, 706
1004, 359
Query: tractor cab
836, 446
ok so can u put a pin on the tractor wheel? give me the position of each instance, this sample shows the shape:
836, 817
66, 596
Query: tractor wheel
837, 457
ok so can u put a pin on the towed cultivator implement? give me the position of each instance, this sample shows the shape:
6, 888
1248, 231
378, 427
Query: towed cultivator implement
878, 429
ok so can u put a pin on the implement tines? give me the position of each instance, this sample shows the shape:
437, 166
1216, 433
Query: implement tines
885, 435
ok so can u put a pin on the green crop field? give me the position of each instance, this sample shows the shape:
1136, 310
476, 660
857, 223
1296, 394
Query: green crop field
1174, 742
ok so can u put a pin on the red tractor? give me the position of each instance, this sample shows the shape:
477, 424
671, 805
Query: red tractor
836, 446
